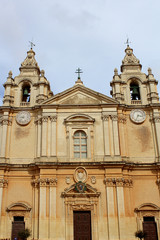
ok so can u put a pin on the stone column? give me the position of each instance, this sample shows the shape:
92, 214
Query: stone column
111, 211
52, 208
53, 135
115, 135
44, 135
105, 119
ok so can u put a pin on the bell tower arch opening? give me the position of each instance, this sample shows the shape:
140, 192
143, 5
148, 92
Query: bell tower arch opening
135, 90
26, 91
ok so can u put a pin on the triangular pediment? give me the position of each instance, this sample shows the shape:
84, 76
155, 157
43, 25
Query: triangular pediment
79, 95
88, 192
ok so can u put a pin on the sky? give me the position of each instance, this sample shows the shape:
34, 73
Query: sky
89, 34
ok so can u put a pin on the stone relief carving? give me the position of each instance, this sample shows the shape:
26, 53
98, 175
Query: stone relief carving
93, 179
68, 180
130, 58
80, 174
29, 60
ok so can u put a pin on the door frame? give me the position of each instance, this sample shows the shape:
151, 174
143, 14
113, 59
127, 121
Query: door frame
82, 204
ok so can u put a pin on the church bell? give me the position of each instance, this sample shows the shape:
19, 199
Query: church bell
25, 92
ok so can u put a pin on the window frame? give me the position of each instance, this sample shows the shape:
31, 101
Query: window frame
80, 144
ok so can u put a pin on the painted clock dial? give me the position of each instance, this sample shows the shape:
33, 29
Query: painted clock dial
23, 118
137, 116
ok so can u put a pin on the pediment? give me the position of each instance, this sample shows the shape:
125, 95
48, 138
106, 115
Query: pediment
79, 95
75, 118
89, 191
147, 207
19, 207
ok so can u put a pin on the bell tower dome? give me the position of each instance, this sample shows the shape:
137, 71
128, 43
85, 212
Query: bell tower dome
30, 87
132, 86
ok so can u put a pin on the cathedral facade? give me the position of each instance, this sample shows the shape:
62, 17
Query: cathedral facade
80, 165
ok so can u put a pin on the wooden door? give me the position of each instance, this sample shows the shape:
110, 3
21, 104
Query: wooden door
150, 228
16, 228
82, 225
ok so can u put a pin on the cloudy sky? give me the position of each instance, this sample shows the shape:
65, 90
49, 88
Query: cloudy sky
89, 34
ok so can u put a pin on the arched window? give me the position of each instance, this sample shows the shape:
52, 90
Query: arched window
134, 91
26, 93
80, 144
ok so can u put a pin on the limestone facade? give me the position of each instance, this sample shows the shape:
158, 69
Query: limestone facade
80, 151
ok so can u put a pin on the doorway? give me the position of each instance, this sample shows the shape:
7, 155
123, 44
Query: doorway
17, 225
150, 228
82, 225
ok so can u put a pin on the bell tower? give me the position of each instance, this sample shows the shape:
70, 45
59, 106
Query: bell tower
30, 87
132, 86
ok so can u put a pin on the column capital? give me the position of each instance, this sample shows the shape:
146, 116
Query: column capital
105, 117
5, 121
44, 182
114, 117
118, 182
3, 183
45, 119
53, 118
122, 119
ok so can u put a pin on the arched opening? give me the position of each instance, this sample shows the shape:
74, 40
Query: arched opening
134, 91
80, 144
26, 89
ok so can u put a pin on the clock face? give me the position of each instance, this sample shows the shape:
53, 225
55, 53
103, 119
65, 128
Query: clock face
137, 116
23, 118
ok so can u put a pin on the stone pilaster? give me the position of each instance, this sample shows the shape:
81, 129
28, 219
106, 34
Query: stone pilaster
5, 121
122, 122
111, 210
3, 184
53, 207
156, 120
39, 137
53, 135
44, 135
105, 119
115, 134
113, 223
47, 224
